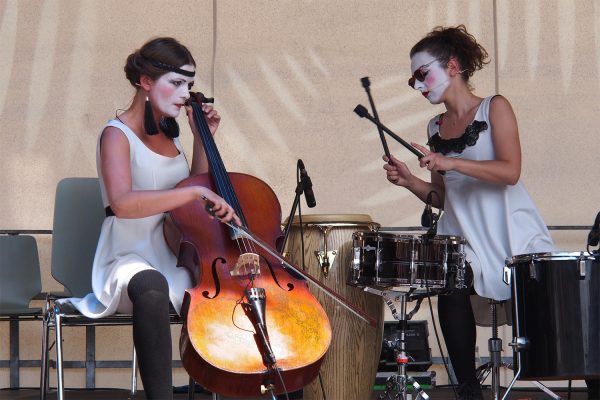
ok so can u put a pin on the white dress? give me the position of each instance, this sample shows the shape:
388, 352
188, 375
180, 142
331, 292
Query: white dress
498, 221
128, 246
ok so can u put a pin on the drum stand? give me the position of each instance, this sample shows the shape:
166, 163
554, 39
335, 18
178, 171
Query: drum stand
493, 366
396, 386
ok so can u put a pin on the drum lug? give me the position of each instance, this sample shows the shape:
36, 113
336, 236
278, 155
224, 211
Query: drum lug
506, 275
461, 272
581, 262
532, 271
520, 343
326, 260
324, 256
356, 259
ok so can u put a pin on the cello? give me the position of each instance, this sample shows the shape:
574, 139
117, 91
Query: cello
250, 325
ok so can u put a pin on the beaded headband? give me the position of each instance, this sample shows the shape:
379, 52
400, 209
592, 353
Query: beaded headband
171, 68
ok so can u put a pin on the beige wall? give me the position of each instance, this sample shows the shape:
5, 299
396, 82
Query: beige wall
286, 77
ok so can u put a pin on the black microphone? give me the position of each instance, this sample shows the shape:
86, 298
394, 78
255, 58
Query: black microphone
307, 186
427, 216
257, 300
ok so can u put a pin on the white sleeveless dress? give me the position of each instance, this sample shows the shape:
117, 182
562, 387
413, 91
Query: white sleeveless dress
128, 246
498, 221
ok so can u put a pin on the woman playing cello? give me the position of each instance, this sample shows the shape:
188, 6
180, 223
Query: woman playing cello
140, 159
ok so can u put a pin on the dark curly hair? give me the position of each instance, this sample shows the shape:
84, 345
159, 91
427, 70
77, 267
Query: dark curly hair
164, 50
445, 43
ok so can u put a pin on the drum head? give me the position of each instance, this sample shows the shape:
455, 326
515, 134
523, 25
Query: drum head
335, 220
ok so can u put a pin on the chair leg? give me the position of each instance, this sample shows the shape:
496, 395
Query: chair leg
44, 366
133, 373
59, 356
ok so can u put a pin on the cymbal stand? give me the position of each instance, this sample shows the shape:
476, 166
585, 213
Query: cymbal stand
397, 385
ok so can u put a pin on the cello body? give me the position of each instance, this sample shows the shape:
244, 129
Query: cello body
219, 345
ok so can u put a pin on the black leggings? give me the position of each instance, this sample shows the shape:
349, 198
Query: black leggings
149, 293
458, 326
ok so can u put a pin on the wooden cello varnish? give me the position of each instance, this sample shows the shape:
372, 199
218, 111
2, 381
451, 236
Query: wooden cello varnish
219, 346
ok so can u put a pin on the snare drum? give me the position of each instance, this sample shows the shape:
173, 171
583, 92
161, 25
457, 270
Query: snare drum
385, 260
555, 299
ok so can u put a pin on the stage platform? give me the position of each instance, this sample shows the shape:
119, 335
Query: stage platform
437, 393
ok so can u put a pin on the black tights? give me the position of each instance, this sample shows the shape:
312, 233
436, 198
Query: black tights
149, 293
458, 326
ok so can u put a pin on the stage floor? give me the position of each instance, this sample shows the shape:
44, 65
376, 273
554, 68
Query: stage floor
438, 393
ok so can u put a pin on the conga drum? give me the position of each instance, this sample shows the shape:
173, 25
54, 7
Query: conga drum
350, 367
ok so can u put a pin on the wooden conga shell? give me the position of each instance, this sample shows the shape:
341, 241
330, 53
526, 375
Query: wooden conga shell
350, 366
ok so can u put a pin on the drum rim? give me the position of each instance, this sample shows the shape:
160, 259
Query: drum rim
384, 234
554, 255
335, 220
454, 239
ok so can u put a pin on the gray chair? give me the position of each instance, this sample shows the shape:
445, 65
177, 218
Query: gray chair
78, 217
20, 282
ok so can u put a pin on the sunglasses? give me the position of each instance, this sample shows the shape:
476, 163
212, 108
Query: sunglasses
420, 74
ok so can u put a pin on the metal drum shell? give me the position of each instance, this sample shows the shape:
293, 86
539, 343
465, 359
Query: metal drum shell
350, 366
388, 261
556, 304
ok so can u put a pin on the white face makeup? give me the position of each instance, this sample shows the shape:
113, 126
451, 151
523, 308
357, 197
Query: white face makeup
435, 80
170, 91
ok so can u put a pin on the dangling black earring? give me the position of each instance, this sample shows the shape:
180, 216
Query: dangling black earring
169, 126
149, 124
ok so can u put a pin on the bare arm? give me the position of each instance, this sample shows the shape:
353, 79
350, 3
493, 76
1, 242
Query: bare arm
127, 203
398, 173
506, 168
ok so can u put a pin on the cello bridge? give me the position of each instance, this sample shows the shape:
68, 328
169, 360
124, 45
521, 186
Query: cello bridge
247, 264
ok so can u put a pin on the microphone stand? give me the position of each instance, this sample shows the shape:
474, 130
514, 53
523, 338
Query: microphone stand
298, 192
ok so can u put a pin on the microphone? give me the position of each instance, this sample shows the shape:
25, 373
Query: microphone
427, 216
307, 185
257, 300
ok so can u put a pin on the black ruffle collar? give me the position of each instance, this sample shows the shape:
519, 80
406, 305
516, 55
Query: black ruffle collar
458, 145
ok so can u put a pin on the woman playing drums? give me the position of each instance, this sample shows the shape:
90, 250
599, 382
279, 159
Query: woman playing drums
476, 141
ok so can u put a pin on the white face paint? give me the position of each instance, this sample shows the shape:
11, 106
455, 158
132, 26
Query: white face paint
436, 79
170, 91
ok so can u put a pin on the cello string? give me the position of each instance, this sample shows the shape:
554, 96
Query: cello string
221, 177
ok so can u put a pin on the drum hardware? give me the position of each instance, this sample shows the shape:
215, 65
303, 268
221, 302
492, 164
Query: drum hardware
396, 386
519, 343
461, 272
581, 262
324, 257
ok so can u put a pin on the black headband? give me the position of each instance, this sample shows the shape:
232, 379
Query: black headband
171, 68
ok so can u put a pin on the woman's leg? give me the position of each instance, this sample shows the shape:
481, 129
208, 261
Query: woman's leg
149, 293
458, 326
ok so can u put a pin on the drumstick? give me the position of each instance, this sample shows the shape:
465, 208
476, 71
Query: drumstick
362, 112
367, 84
